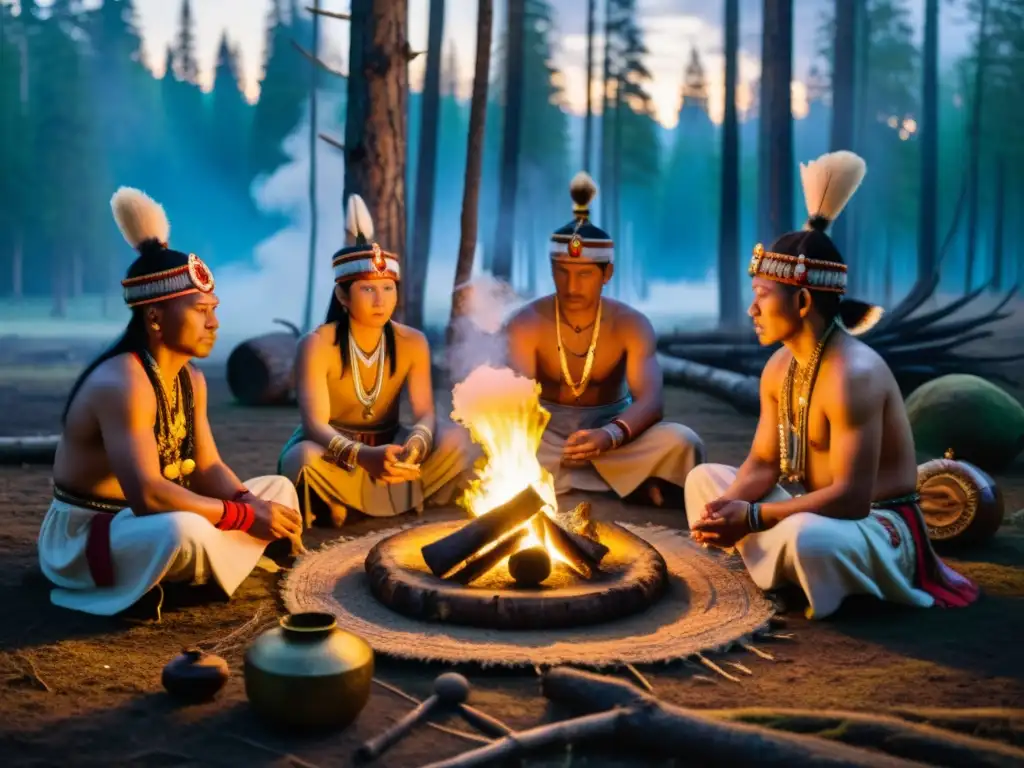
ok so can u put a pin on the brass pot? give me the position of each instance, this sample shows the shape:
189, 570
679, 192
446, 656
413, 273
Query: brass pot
308, 674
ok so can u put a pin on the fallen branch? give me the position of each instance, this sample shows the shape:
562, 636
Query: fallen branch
332, 141
38, 449
915, 741
465, 735
317, 61
330, 14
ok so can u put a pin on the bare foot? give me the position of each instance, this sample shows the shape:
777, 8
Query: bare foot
655, 495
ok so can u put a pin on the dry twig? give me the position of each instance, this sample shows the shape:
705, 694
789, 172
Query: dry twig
330, 14
317, 61
332, 141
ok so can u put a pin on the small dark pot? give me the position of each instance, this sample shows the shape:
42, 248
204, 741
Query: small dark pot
194, 676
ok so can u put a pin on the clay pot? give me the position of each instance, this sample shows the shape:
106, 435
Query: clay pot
307, 674
194, 676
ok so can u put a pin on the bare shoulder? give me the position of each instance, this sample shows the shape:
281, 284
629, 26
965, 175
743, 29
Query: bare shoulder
627, 320
410, 340
198, 379
530, 317
857, 374
119, 379
317, 341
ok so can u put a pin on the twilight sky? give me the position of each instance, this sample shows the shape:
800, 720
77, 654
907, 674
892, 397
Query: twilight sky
672, 28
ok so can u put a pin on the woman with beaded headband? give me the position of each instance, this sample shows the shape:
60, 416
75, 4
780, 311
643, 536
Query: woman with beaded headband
141, 495
350, 451
827, 498
594, 360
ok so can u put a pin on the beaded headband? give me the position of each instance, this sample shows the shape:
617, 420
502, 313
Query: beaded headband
191, 277
365, 262
798, 270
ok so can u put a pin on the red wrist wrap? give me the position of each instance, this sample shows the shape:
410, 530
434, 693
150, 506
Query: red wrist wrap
237, 516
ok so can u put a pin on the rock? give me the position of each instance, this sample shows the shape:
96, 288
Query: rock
980, 422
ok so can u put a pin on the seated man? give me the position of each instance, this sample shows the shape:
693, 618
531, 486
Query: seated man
595, 361
833, 431
350, 452
141, 495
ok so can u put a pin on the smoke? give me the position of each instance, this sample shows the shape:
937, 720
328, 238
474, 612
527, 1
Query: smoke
275, 286
477, 338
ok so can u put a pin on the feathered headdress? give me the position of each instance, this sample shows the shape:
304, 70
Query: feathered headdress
580, 240
362, 258
158, 273
809, 258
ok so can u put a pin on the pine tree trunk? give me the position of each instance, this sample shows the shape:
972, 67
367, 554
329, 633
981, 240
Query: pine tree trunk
474, 159
604, 154
357, 102
856, 214
426, 172
844, 71
588, 125
928, 136
18, 267
311, 256
775, 171
974, 149
887, 289
505, 235
998, 225
59, 278
77, 275
729, 207
387, 70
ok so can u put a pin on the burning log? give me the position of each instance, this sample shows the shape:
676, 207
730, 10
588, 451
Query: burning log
485, 561
577, 520
584, 555
445, 554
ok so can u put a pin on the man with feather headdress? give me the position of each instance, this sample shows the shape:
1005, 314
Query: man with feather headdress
596, 363
827, 498
350, 451
141, 495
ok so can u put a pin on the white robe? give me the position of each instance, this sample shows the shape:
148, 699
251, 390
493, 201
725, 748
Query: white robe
147, 550
666, 451
828, 559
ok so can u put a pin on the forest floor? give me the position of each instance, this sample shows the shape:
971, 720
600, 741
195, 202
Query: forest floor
80, 690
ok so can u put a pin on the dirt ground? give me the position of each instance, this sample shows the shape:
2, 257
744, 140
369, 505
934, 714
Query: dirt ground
79, 690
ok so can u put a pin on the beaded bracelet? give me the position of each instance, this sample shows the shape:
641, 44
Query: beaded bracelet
617, 434
625, 429
342, 452
237, 516
754, 521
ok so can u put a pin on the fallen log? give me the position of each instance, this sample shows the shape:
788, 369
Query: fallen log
445, 554
586, 692
740, 391
261, 371
646, 724
36, 449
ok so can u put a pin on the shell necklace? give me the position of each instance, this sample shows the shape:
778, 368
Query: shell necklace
367, 399
793, 467
172, 425
577, 389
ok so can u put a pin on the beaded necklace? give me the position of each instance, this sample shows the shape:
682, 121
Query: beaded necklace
588, 364
174, 421
367, 399
793, 467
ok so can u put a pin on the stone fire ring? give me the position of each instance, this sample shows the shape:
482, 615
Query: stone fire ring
710, 604
633, 576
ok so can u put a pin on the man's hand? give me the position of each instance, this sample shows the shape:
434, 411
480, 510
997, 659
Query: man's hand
724, 523
585, 445
382, 464
274, 521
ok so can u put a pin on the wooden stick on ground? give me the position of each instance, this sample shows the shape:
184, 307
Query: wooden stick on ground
465, 735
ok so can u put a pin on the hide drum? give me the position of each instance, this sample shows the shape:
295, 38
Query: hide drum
960, 503
632, 577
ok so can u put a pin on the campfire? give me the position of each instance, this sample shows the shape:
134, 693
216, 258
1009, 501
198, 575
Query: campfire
515, 522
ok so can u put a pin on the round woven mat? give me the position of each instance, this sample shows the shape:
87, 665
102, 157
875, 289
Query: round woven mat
710, 605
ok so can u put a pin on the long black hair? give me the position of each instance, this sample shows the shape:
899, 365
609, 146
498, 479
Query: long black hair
336, 313
153, 257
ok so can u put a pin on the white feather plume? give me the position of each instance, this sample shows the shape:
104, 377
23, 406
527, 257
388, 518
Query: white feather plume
358, 220
830, 181
139, 217
582, 189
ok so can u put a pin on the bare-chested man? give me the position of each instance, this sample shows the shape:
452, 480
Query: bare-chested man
350, 452
827, 498
141, 495
596, 362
